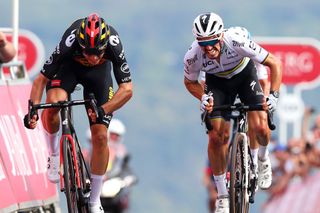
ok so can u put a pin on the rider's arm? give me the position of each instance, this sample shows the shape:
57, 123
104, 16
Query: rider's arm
37, 88
122, 96
275, 67
194, 87
121, 72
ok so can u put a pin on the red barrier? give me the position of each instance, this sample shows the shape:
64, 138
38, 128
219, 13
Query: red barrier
24, 153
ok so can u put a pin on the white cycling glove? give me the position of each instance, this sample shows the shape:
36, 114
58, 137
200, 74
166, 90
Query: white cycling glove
205, 100
272, 101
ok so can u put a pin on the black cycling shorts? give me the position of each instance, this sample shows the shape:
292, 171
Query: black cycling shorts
245, 84
96, 80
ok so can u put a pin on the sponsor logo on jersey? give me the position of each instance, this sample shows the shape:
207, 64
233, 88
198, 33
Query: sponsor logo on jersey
126, 79
114, 40
192, 60
124, 67
49, 61
237, 44
71, 38
253, 45
121, 55
56, 83
252, 84
205, 64
110, 93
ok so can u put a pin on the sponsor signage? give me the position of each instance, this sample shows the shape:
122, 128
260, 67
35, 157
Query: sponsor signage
300, 57
30, 51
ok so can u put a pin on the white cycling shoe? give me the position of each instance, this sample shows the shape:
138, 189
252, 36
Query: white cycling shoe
264, 173
222, 204
53, 168
96, 208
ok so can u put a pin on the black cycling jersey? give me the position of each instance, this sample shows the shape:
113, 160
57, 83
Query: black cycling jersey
69, 49
67, 67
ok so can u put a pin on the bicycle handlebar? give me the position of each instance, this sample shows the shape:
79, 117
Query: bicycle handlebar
63, 104
245, 108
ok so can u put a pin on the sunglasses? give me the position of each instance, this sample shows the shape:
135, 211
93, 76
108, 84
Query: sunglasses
93, 51
208, 43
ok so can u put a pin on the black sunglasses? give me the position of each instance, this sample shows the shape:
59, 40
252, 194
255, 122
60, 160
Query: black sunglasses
93, 51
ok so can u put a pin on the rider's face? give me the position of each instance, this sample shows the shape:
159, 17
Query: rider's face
211, 46
92, 58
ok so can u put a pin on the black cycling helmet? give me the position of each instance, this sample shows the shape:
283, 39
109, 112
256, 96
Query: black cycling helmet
93, 34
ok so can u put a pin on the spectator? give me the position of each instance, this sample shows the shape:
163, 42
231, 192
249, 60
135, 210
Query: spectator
7, 50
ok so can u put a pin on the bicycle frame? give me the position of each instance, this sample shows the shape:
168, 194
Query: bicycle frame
72, 170
238, 144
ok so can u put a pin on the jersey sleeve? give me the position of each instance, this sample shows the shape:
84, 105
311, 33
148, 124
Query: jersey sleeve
62, 51
116, 53
249, 48
192, 63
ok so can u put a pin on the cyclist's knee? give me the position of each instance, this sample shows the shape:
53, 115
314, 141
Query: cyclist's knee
99, 138
216, 139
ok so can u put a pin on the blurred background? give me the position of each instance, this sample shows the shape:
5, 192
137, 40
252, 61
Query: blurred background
164, 135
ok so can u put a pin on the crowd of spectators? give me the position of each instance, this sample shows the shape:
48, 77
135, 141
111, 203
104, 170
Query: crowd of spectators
299, 158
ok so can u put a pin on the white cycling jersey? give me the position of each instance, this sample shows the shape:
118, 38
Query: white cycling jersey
236, 51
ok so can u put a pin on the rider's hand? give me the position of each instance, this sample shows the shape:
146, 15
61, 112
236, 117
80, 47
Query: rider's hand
272, 101
206, 103
32, 122
94, 118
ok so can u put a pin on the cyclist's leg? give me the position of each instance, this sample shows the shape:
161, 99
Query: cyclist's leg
99, 82
254, 145
56, 90
223, 93
251, 93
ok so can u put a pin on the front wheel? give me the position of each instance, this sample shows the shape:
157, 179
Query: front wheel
69, 177
237, 189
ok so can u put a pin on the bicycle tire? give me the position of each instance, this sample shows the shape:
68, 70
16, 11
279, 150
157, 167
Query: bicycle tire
69, 177
238, 203
84, 190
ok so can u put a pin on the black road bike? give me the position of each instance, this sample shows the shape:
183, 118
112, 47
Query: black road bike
243, 179
74, 174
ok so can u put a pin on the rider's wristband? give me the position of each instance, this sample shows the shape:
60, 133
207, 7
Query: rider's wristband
274, 93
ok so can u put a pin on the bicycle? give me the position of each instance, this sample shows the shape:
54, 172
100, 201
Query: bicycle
243, 180
74, 174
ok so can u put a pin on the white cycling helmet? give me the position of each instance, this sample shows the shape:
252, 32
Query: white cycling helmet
207, 24
117, 127
241, 31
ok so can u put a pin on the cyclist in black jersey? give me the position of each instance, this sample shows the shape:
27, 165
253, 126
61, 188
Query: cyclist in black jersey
84, 56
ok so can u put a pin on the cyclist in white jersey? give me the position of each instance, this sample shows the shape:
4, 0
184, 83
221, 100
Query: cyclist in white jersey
228, 58
262, 74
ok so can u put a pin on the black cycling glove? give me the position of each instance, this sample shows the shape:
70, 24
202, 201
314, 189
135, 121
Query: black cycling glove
101, 115
27, 119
